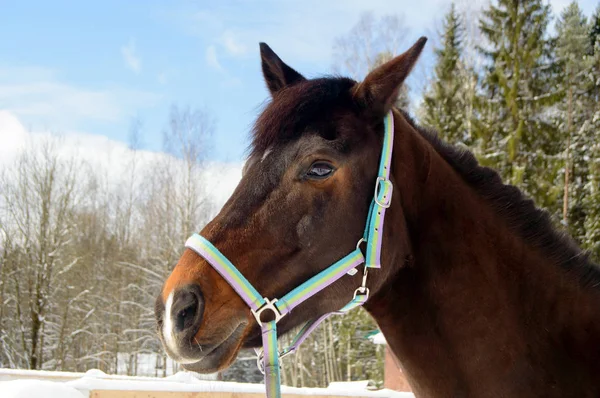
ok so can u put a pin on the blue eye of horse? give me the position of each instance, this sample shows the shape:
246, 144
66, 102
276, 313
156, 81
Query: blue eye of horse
320, 171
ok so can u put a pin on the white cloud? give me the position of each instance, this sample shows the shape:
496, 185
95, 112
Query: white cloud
132, 60
12, 136
212, 59
226, 78
303, 32
26, 73
37, 95
111, 158
232, 44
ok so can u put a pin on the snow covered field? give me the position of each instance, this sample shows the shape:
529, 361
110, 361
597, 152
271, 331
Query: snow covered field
42, 384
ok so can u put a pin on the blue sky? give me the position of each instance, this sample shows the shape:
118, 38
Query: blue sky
93, 66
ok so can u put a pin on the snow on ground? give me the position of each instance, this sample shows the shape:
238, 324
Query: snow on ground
347, 385
150, 365
81, 385
38, 388
378, 338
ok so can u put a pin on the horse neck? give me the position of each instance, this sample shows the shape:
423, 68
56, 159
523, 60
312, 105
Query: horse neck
479, 306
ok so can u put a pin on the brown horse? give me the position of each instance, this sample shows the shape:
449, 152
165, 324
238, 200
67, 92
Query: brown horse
478, 295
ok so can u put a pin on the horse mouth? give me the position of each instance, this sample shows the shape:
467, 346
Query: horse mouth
218, 356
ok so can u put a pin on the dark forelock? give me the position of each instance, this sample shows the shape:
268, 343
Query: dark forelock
296, 108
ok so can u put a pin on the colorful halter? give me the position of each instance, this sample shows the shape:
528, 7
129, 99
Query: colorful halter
268, 360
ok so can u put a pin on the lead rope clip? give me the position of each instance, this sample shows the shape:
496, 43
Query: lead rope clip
363, 289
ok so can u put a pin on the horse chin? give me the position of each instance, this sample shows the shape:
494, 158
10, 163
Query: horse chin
220, 357
216, 361
254, 336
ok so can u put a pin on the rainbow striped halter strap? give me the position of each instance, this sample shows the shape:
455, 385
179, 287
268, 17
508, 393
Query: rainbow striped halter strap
269, 356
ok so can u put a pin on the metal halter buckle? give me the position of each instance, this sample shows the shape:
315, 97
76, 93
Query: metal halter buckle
385, 181
362, 291
268, 305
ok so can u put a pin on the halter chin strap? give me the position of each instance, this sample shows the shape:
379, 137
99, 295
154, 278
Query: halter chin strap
268, 358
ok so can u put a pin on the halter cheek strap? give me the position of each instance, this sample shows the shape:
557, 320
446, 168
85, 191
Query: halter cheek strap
268, 358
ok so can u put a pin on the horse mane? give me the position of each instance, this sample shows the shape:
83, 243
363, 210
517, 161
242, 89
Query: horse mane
534, 224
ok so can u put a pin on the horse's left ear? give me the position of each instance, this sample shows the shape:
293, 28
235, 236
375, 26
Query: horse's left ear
277, 74
378, 92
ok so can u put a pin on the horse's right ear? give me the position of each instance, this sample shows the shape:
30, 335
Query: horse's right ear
378, 92
277, 74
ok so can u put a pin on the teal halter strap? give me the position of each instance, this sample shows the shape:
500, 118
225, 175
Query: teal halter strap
269, 358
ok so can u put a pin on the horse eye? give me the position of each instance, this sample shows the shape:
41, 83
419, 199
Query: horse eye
320, 171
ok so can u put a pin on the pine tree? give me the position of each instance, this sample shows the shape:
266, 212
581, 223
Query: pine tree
573, 49
518, 88
595, 30
591, 199
444, 104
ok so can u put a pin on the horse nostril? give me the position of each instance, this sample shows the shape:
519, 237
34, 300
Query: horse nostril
187, 308
185, 318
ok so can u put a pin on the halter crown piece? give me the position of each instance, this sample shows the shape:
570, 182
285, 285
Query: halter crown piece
269, 356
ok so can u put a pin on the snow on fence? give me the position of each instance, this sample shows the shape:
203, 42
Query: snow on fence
97, 384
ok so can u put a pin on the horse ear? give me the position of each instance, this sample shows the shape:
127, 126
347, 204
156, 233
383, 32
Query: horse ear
277, 74
378, 92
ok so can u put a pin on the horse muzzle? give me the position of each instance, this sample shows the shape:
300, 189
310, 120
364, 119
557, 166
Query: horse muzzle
190, 338
179, 320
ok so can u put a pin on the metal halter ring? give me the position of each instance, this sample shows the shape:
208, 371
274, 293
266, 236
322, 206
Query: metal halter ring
353, 271
385, 181
360, 242
268, 305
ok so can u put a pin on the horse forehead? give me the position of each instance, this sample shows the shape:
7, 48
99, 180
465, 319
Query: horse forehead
256, 158
264, 170
261, 174
266, 153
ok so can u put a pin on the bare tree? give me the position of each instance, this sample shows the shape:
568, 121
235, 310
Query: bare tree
361, 49
85, 244
187, 137
173, 206
369, 44
39, 197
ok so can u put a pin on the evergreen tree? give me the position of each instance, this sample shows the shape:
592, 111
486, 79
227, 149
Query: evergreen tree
573, 49
444, 104
591, 199
595, 30
518, 90
594, 72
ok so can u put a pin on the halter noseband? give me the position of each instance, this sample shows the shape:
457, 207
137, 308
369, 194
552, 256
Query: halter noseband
268, 359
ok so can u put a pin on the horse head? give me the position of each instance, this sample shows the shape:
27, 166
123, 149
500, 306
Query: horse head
300, 206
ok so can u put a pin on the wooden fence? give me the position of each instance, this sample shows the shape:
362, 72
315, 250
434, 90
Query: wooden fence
96, 384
